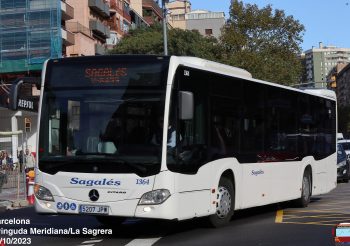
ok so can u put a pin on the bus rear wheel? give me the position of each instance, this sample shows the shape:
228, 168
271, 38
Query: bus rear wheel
304, 200
225, 205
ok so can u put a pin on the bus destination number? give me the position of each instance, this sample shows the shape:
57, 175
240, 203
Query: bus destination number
142, 181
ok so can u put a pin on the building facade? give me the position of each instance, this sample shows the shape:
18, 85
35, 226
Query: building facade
32, 31
176, 13
343, 87
90, 26
320, 61
206, 22
332, 76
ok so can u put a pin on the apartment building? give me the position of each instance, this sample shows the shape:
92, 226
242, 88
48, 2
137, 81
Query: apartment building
90, 26
343, 87
320, 61
123, 18
149, 10
30, 33
332, 76
206, 22
176, 13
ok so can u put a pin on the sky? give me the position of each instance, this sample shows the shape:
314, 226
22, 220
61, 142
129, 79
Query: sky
325, 21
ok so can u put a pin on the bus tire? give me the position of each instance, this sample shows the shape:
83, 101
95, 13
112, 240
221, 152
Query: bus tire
111, 221
225, 205
304, 200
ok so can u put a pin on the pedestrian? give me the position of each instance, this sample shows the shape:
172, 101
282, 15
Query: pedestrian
7, 162
29, 161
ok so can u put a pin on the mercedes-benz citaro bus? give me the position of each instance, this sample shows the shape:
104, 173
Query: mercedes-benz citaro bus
176, 138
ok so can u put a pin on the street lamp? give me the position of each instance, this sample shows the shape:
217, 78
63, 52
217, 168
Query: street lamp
165, 35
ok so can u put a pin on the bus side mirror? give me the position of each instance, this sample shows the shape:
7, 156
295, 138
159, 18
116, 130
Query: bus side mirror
15, 87
185, 105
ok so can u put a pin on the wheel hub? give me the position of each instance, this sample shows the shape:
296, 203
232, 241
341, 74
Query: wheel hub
224, 203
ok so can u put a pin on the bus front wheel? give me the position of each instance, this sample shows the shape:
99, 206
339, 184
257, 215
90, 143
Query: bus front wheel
304, 200
225, 204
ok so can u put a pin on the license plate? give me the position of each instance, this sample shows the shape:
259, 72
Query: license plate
93, 209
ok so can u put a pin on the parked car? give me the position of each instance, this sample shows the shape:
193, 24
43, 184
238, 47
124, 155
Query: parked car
345, 143
343, 167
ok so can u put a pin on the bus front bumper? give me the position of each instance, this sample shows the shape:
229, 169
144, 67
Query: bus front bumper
124, 208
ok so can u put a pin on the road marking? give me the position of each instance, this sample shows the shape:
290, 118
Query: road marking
279, 216
314, 216
143, 241
92, 241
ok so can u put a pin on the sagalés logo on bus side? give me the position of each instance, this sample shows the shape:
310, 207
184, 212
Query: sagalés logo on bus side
93, 182
256, 173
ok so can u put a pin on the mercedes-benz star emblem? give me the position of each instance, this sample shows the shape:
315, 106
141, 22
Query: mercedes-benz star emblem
93, 194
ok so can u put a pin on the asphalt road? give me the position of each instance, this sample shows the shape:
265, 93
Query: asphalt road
274, 225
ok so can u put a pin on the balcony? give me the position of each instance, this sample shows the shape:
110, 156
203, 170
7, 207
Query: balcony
98, 28
67, 11
76, 27
153, 6
127, 16
68, 37
99, 7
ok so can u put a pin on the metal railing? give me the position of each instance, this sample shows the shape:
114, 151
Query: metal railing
12, 170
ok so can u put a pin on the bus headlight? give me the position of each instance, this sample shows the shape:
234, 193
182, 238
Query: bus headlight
154, 197
342, 163
42, 193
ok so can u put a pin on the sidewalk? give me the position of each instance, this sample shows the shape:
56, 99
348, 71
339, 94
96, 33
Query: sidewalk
13, 197
9, 199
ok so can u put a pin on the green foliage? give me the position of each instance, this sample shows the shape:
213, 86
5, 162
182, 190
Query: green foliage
264, 42
180, 42
146, 40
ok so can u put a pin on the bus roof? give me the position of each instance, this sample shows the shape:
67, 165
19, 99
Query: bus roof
214, 66
244, 74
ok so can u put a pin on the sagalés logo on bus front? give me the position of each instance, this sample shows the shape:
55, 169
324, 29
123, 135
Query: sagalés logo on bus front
92, 182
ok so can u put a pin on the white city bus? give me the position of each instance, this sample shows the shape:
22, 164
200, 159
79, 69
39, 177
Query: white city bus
176, 138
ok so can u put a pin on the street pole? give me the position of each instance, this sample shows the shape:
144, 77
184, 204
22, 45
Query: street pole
165, 34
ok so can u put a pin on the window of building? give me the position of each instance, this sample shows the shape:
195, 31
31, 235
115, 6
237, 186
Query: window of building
208, 32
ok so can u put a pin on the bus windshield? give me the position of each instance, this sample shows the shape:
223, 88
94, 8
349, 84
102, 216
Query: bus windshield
102, 118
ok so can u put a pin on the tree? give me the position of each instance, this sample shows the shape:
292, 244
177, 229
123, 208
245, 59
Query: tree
265, 43
180, 42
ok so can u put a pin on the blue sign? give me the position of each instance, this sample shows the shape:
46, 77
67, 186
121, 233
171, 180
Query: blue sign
73, 206
59, 205
66, 206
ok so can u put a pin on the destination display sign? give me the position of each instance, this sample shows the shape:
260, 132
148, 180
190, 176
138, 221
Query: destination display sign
81, 73
106, 75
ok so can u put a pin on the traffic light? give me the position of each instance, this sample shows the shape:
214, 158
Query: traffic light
28, 124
